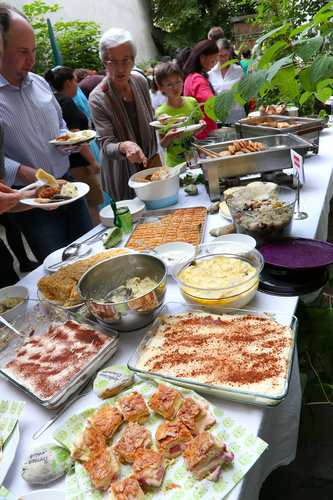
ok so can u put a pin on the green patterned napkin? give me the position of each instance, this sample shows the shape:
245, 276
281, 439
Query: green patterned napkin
178, 483
9, 413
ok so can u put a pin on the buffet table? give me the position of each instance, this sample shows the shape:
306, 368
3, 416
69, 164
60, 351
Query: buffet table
277, 426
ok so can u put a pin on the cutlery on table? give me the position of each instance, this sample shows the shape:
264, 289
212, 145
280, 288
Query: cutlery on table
5, 322
70, 259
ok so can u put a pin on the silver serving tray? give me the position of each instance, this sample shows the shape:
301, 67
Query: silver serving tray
307, 127
37, 321
242, 396
275, 157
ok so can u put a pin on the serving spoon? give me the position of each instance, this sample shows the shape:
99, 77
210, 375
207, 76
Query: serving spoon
194, 262
146, 246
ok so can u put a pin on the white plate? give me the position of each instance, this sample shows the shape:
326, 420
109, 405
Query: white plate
224, 210
9, 451
180, 126
79, 139
82, 187
56, 257
136, 207
45, 494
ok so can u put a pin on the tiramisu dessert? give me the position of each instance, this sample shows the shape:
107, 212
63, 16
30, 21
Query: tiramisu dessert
45, 364
246, 353
205, 455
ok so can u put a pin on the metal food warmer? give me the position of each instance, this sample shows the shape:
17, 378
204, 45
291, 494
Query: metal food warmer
308, 128
221, 173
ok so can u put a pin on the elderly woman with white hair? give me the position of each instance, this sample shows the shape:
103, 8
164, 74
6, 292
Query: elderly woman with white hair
121, 111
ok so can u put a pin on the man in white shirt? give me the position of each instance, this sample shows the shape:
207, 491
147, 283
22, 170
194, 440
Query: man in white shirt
31, 118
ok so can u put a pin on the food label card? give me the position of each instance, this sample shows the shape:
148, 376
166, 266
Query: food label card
178, 482
298, 167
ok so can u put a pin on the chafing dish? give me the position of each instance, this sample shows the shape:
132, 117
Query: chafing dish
308, 128
275, 157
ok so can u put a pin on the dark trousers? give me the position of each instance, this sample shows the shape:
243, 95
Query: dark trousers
8, 275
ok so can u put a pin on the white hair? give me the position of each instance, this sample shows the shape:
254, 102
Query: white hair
114, 37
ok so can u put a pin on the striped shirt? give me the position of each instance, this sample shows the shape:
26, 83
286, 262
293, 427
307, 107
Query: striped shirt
31, 117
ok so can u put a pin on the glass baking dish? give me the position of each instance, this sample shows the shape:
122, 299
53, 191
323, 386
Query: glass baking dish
37, 321
243, 396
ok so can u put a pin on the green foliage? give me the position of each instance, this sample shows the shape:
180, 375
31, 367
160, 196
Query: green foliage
297, 63
186, 22
77, 40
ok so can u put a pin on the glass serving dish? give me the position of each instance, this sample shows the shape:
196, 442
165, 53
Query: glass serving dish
244, 396
37, 321
224, 277
263, 216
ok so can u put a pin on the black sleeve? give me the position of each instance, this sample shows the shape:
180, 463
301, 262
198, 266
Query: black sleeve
73, 116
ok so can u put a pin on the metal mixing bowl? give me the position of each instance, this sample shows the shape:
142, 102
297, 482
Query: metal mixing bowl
131, 314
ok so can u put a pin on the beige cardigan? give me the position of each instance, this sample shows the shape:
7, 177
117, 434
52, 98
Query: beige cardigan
115, 168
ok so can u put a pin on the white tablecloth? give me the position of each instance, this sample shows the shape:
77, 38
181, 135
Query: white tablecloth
277, 426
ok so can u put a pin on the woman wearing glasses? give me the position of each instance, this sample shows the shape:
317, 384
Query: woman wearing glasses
225, 78
169, 78
199, 62
121, 111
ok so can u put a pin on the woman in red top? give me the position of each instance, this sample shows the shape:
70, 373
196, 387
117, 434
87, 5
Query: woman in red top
201, 60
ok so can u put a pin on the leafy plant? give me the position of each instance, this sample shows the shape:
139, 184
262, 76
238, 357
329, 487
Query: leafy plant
298, 62
77, 40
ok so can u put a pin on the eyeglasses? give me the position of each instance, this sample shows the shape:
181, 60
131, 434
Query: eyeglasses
174, 84
113, 63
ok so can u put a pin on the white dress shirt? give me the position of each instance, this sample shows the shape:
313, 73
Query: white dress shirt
233, 75
31, 117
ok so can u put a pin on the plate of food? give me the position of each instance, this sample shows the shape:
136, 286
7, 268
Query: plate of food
56, 197
81, 137
55, 257
166, 120
233, 449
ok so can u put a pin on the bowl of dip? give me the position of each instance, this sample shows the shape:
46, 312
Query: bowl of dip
143, 274
171, 252
223, 278
264, 215
14, 300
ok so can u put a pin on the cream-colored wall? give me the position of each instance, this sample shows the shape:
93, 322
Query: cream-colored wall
132, 15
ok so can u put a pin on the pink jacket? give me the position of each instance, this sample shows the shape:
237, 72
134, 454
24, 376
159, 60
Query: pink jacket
197, 86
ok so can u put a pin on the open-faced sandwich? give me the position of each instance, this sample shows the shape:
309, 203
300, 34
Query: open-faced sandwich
166, 119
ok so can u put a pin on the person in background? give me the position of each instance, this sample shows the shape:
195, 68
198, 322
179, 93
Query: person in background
182, 56
31, 118
157, 99
215, 33
83, 165
177, 142
88, 83
245, 59
121, 111
201, 60
225, 78
81, 74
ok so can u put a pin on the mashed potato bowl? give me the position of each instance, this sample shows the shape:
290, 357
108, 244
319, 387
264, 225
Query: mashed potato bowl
156, 194
9, 296
110, 274
221, 278
260, 215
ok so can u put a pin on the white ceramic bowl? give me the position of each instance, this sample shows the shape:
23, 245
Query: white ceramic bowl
156, 194
170, 252
136, 207
244, 239
13, 292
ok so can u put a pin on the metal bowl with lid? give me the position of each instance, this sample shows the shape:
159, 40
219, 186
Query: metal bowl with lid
131, 314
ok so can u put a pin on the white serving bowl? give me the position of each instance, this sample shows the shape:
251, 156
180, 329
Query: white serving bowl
13, 292
156, 194
234, 238
136, 207
170, 252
